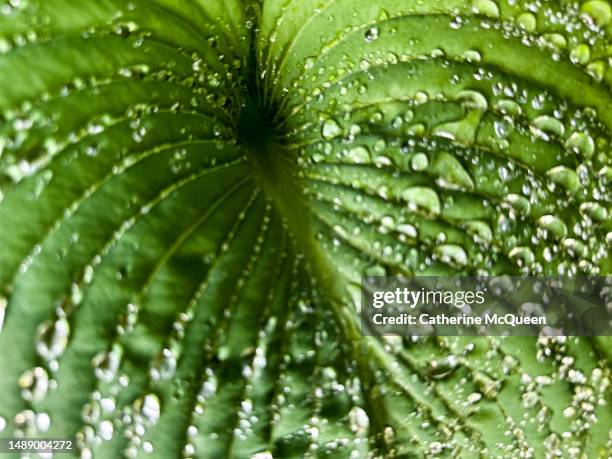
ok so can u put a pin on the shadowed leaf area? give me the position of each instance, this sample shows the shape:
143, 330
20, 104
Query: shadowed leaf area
191, 190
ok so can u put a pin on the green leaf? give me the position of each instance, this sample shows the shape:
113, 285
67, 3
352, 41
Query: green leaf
191, 191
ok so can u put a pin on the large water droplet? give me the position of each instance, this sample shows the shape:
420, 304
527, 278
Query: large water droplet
581, 54
451, 173
527, 21
523, 256
359, 420
480, 230
150, 407
52, 339
581, 144
519, 203
34, 384
419, 162
594, 211
422, 198
486, 7
597, 12
564, 177
371, 34
330, 129
553, 225
359, 155
548, 125
452, 254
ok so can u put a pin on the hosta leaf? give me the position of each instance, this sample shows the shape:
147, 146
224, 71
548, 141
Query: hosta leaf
191, 191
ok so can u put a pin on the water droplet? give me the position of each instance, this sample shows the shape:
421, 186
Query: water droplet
34, 384
330, 129
581, 54
509, 107
42, 422
564, 177
553, 225
597, 12
106, 430
150, 407
486, 7
575, 247
548, 125
407, 230
472, 100
106, 364
451, 173
480, 230
264, 455
359, 155
52, 339
594, 211
519, 203
472, 56
452, 254
419, 162
527, 21
523, 256
597, 69
309, 63
387, 221
422, 198
358, 420
581, 144
371, 34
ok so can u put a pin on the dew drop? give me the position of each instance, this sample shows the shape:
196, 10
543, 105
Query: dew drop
106, 364
359, 155
523, 256
564, 177
480, 230
581, 144
359, 420
519, 203
575, 247
581, 54
422, 198
106, 430
3, 305
553, 225
371, 34
34, 384
554, 41
472, 100
527, 21
52, 339
452, 254
597, 11
594, 211
150, 407
419, 162
451, 173
548, 125
330, 129
597, 70
407, 230
486, 7
472, 56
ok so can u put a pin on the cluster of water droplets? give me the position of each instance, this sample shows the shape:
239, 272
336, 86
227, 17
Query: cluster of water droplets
471, 144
